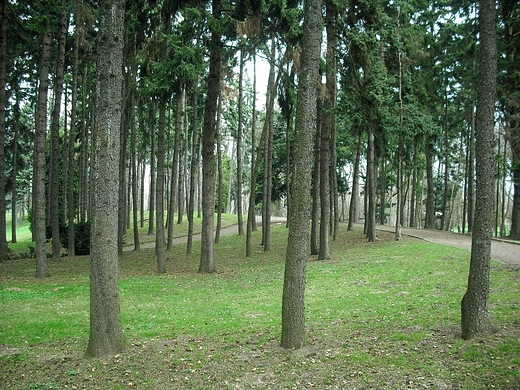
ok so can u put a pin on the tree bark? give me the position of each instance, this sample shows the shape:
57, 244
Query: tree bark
207, 261
220, 187
159, 189
39, 159
174, 181
106, 331
315, 185
240, 146
194, 167
55, 136
293, 299
475, 314
354, 198
3, 45
430, 200
153, 170
370, 216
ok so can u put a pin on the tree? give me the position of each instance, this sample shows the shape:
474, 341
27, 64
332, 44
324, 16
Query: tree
106, 331
3, 45
475, 315
207, 261
511, 85
38, 213
293, 299
55, 134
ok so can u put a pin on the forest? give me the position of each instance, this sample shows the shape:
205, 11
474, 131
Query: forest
396, 105
370, 115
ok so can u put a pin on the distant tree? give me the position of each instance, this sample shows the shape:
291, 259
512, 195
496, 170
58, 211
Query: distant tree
293, 300
475, 314
106, 331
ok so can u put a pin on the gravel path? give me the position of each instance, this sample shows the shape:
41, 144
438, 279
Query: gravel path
506, 252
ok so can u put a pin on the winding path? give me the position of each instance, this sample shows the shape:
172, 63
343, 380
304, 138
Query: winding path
505, 252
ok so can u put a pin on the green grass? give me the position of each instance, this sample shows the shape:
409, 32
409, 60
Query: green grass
379, 315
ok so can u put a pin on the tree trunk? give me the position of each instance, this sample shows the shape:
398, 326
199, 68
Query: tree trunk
293, 299
133, 166
413, 195
122, 209
354, 199
55, 136
511, 87
315, 185
174, 180
194, 167
39, 159
153, 173
268, 157
475, 314
471, 174
207, 261
240, 146
430, 200
71, 252
106, 331
159, 188
220, 187
370, 216
3, 45
14, 193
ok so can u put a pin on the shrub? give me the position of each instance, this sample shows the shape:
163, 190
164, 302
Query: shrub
81, 238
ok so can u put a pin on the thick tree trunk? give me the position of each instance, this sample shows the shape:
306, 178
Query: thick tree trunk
475, 314
207, 261
293, 299
39, 159
106, 331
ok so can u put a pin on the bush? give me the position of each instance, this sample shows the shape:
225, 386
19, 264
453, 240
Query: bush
81, 238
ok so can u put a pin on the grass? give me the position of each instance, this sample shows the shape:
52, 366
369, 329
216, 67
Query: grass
379, 315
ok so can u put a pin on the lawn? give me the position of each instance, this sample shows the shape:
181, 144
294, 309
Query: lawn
381, 315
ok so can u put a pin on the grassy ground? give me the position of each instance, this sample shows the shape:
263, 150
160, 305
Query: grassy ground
380, 315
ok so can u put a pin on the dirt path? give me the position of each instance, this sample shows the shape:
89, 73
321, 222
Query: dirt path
506, 252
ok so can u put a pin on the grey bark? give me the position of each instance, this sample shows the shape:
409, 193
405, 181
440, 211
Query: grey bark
207, 260
293, 299
39, 159
475, 312
106, 331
